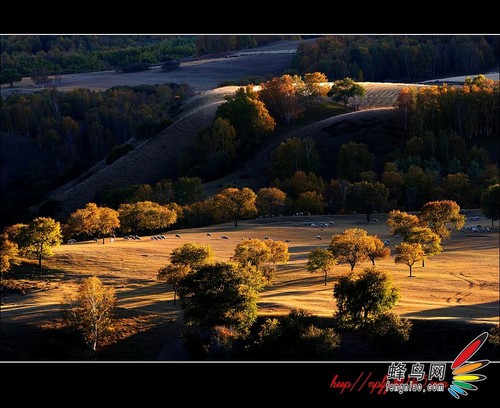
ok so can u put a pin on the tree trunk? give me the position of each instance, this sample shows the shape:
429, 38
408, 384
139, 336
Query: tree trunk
373, 261
40, 261
103, 239
175, 297
368, 215
236, 222
352, 266
423, 263
410, 272
326, 274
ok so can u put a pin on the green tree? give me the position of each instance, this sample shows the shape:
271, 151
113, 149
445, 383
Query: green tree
310, 202
248, 115
8, 253
363, 297
236, 203
9, 76
377, 249
490, 203
220, 137
408, 254
354, 159
345, 89
192, 255
430, 241
39, 237
173, 274
367, 197
188, 190
294, 155
437, 215
91, 313
401, 223
352, 246
220, 294
321, 259
270, 201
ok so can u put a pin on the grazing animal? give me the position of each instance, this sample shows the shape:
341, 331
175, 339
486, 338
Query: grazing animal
95, 240
224, 237
266, 237
288, 240
177, 236
162, 236
318, 237
208, 234
376, 220
387, 242
137, 238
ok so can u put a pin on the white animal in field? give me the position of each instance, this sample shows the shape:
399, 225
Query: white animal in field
224, 237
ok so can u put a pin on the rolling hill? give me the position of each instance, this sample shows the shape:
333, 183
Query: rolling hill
157, 158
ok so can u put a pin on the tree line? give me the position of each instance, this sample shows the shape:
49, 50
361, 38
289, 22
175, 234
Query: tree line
26, 55
397, 57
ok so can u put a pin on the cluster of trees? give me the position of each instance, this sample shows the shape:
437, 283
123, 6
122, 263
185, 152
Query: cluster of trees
219, 300
248, 118
401, 58
214, 44
24, 55
76, 129
422, 235
468, 111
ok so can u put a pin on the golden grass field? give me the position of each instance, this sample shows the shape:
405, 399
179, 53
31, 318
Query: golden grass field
462, 283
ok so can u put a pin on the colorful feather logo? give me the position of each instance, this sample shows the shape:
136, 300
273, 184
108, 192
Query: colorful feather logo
464, 370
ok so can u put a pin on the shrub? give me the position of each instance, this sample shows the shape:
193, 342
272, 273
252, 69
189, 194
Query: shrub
117, 152
390, 328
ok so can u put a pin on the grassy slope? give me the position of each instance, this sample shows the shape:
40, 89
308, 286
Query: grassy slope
460, 285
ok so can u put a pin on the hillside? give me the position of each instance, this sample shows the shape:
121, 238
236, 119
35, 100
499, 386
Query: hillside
157, 158
149, 162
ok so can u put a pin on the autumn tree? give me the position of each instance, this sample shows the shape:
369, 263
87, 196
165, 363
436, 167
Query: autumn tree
252, 252
437, 215
173, 275
321, 259
92, 311
377, 249
270, 201
145, 215
8, 253
401, 223
490, 203
367, 197
354, 159
94, 220
430, 241
282, 97
345, 89
248, 115
296, 154
363, 297
39, 237
221, 294
236, 203
192, 255
351, 246
315, 85
278, 253
408, 254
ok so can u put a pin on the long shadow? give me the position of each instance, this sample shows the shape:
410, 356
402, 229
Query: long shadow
482, 310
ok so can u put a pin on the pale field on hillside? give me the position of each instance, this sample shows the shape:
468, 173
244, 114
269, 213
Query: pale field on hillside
462, 283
